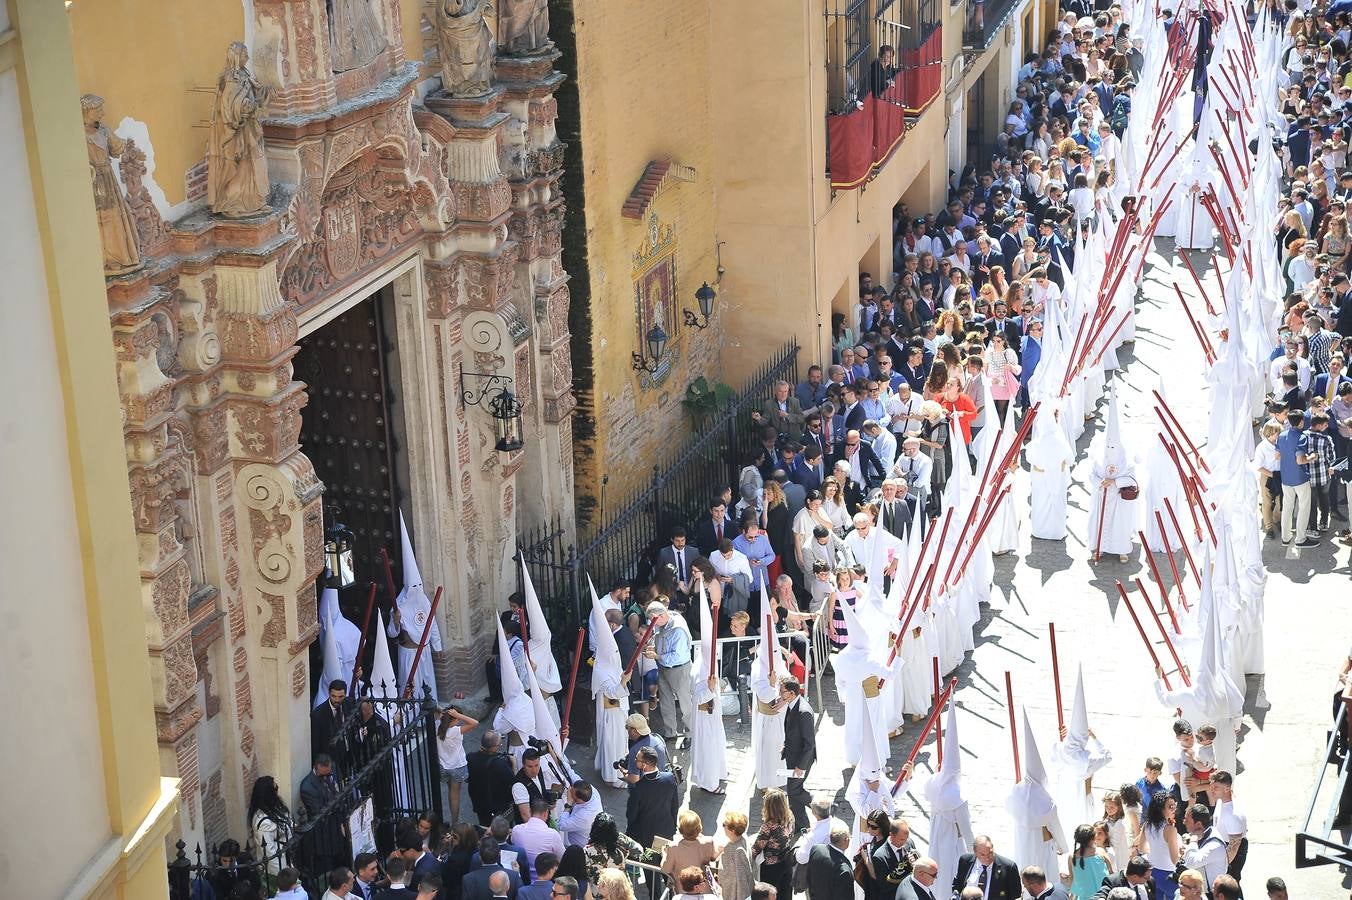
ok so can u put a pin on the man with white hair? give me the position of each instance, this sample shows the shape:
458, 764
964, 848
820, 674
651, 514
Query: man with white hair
919, 885
874, 549
914, 467
830, 874
823, 823
897, 511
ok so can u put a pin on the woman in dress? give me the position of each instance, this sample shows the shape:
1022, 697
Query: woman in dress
908, 285
908, 319
1003, 370
928, 273
833, 506
934, 440
1158, 843
808, 518
998, 281
1336, 244
734, 859
779, 529
464, 838
1088, 864
833, 613
691, 848
841, 335
269, 823
1056, 175
608, 847
774, 842
1025, 262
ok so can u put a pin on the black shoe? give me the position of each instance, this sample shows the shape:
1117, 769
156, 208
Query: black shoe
1308, 542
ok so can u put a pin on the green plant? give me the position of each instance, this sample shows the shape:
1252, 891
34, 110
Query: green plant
704, 401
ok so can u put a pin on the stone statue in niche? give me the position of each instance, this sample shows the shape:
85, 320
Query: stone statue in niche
524, 26
117, 229
237, 168
465, 43
354, 34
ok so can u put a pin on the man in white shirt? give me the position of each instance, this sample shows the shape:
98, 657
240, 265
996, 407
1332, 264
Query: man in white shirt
883, 443
914, 468
1289, 358
582, 808
1230, 822
903, 410
534, 836
1207, 851
820, 831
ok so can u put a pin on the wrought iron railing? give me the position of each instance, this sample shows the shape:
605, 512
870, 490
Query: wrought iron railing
1316, 842
984, 19
625, 544
387, 773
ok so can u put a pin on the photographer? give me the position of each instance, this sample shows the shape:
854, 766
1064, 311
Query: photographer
641, 736
490, 778
1205, 850
893, 859
580, 810
654, 800
530, 785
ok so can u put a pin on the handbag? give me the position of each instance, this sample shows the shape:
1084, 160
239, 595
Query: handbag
1130, 492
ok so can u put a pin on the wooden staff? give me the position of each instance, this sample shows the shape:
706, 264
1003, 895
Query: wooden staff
939, 547
389, 576
361, 641
938, 724
981, 530
713, 638
774, 644
1173, 565
642, 643
1013, 728
917, 576
1015, 447
1197, 280
525, 634
929, 724
1197, 331
1141, 630
1080, 332
1165, 634
1169, 508
1239, 160
1181, 430
1223, 228
1126, 314
1225, 176
572, 679
1098, 537
1164, 593
1056, 678
427, 632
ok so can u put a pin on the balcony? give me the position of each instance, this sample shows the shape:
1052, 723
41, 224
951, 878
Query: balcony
861, 137
984, 19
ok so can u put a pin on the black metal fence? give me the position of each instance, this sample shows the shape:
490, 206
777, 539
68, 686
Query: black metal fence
626, 543
386, 773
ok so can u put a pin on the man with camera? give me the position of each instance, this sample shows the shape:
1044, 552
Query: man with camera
654, 800
490, 778
530, 785
641, 736
581, 808
892, 860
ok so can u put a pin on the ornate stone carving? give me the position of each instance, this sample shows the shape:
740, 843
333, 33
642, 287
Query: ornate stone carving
354, 34
117, 228
150, 231
442, 293
237, 166
266, 498
169, 727
180, 672
367, 216
274, 629
169, 596
465, 44
298, 678
523, 26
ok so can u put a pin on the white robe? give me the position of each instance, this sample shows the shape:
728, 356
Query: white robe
1035, 817
413, 611
1120, 517
708, 742
1049, 456
767, 731
612, 741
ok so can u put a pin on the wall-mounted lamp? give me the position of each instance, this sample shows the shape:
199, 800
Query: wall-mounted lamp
338, 541
657, 344
705, 297
502, 405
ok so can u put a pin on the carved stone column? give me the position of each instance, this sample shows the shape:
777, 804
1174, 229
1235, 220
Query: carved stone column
275, 504
537, 221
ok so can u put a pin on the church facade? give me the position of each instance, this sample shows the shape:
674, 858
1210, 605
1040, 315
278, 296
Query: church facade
321, 343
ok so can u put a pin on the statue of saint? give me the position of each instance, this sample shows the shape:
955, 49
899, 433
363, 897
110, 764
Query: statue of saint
524, 26
237, 168
466, 46
117, 230
354, 34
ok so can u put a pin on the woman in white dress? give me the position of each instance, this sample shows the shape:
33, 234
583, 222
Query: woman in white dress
833, 506
1082, 198
808, 518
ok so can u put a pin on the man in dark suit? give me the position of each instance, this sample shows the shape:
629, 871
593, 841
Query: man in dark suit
1002, 324
896, 509
490, 778
317, 791
1135, 876
326, 721
897, 849
914, 369
870, 469
653, 803
809, 469
711, 530
475, 884
800, 747
782, 410
853, 411
830, 875
420, 861
996, 876
814, 436
1038, 888
919, 885
679, 557
1326, 384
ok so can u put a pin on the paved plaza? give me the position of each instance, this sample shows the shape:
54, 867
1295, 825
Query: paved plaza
1286, 712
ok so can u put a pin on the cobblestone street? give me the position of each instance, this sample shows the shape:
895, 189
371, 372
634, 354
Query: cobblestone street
1054, 581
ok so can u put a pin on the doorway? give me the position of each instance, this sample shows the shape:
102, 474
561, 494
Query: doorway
352, 431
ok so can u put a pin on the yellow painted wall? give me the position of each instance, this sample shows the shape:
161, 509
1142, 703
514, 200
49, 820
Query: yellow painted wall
145, 64
644, 86
84, 764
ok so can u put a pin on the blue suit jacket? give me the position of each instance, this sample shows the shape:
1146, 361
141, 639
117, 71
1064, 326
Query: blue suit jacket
1032, 354
1320, 386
